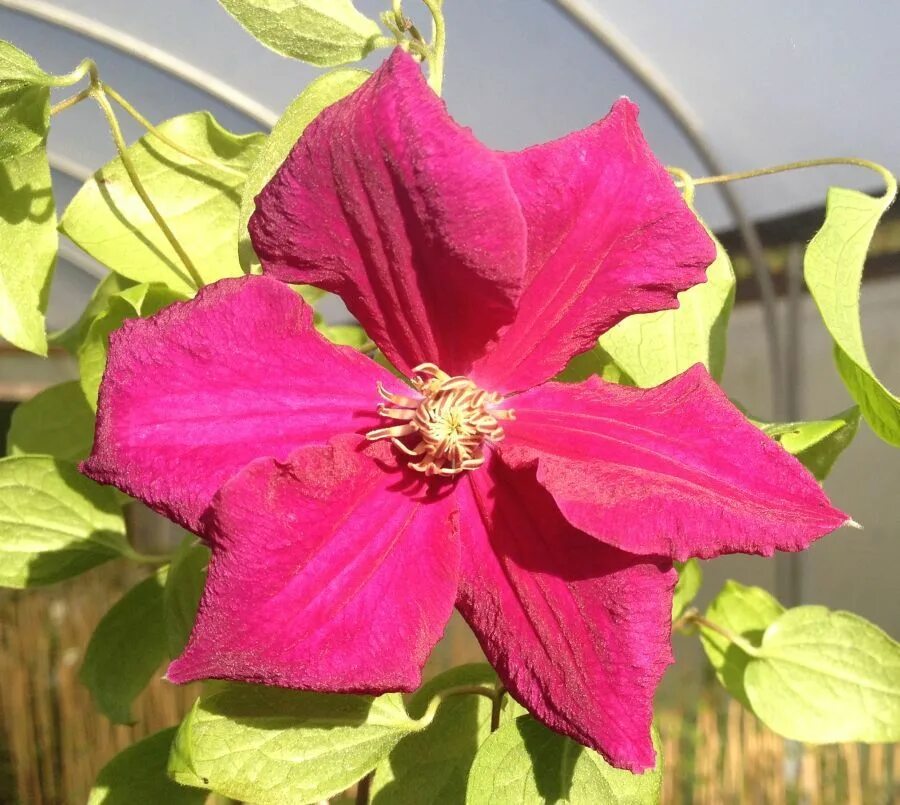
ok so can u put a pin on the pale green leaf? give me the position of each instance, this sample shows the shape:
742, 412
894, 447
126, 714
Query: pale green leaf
320, 32
319, 94
270, 746
524, 762
126, 649
24, 102
138, 300
833, 268
137, 776
56, 422
690, 577
826, 677
199, 202
596, 361
746, 612
184, 586
818, 443
651, 348
432, 766
347, 335
54, 522
28, 254
73, 336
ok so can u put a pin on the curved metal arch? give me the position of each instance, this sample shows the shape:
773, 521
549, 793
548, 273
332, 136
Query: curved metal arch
584, 14
145, 52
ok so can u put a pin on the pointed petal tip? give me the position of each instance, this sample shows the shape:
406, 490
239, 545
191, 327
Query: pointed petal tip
852, 523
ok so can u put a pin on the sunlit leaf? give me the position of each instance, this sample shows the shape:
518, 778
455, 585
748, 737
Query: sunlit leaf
199, 202
321, 32
818, 443
72, 337
318, 95
24, 102
746, 612
54, 522
138, 775
56, 422
524, 762
28, 254
653, 347
432, 766
833, 269
690, 577
825, 677
127, 647
270, 746
138, 300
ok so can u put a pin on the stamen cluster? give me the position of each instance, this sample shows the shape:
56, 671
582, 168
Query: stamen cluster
452, 420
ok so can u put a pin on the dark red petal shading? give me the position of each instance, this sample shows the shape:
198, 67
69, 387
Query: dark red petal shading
578, 631
386, 201
335, 571
608, 235
674, 470
197, 391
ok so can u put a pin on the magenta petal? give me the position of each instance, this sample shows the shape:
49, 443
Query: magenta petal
335, 571
578, 631
674, 470
388, 202
608, 235
197, 391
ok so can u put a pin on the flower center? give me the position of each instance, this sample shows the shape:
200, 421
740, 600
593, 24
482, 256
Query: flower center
451, 421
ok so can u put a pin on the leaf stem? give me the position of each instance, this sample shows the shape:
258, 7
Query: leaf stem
99, 95
72, 100
68, 79
494, 694
146, 558
888, 178
438, 45
694, 616
175, 146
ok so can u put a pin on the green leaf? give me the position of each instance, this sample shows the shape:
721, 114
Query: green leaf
654, 347
270, 746
138, 300
747, 612
72, 337
833, 268
199, 202
184, 586
28, 254
596, 361
817, 444
24, 102
347, 335
690, 577
54, 522
825, 677
126, 649
321, 32
432, 766
524, 762
56, 422
318, 95
138, 775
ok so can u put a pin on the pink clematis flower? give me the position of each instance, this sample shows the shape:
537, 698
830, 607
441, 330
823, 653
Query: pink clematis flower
348, 512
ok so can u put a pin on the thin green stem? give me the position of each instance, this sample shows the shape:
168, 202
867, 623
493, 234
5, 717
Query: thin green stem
68, 79
884, 173
110, 92
693, 616
103, 102
148, 559
72, 100
687, 183
463, 690
438, 45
